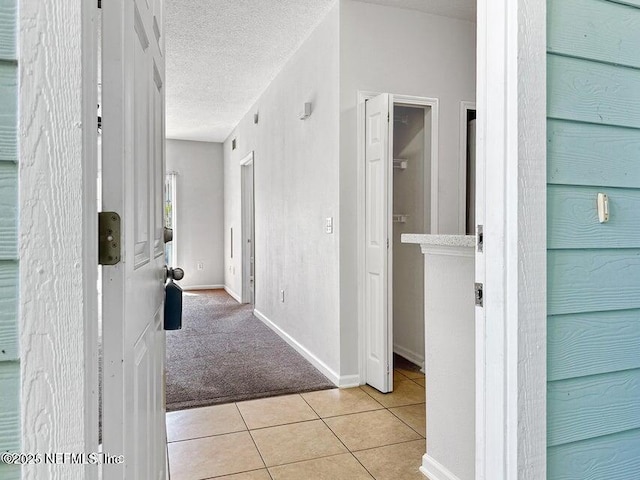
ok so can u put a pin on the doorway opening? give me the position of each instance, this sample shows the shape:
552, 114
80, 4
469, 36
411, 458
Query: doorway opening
248, 230
411, 206
400, 137
468, 115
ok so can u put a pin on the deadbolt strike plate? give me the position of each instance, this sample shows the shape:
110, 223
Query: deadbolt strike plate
108, 238
479, 289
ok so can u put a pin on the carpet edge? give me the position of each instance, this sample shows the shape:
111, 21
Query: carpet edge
301, 349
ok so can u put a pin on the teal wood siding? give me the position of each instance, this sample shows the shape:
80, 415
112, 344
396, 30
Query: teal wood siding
9, 354
593, 364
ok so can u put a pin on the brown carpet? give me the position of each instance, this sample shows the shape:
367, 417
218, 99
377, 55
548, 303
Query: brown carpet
224, 354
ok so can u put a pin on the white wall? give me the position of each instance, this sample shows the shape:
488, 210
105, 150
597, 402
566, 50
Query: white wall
450, 360
296, 187
199, 210
411, 198
399, 51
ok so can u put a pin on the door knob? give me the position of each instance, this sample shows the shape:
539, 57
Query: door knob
173, 273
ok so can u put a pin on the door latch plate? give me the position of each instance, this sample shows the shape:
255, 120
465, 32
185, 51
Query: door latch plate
108, 238
479, 295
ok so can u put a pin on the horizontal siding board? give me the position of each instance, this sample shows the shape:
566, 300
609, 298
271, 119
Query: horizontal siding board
8, 112
594, 29
573, 218
592, 280
593, 92
8, 22
613, 457
589, 407
588, 154
10, 472
9, 407
8, 311
592, 343
8, 211
631, 3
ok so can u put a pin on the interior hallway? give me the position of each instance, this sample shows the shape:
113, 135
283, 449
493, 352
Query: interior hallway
348, 434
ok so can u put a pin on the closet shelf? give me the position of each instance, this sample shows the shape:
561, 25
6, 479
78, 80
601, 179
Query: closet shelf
400, 163
399, 218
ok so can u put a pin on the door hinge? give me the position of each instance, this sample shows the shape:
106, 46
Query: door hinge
99, 3
108, 238
388, 117
479, 295
480, 238
387, 243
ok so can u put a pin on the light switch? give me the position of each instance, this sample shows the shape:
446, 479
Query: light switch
328, 226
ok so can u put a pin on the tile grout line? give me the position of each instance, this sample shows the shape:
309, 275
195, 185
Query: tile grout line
352, 453
340, 440
390, 445
253, 440
207, 436
239, 473
425, 433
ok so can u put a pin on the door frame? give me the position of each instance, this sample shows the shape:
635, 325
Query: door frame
511, 329
410, 100
511, 433
465, 106
58, 157
247, 222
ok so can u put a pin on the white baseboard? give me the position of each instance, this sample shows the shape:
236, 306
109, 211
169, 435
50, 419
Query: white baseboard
413, 357
311, 358
236, 297
433, 470
201, 287
349, 381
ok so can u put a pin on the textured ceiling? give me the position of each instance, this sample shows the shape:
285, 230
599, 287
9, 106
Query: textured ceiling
222, 54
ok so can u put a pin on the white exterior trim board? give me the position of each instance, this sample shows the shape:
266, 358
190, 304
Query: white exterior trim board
511, 186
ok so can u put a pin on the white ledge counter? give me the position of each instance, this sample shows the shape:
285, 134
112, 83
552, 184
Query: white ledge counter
449, 354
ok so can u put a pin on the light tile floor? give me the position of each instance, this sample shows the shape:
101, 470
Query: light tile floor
349, 434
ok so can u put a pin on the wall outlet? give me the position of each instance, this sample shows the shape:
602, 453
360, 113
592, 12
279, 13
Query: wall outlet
282, 296
328, 225
200, 266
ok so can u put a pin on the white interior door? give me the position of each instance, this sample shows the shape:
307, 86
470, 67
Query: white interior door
378, 227
133, 180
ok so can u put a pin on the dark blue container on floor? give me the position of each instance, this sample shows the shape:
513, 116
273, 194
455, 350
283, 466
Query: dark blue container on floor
172, 306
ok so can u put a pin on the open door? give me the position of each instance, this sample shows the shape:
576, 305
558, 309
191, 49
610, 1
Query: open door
378, 228
133, 69
248, 232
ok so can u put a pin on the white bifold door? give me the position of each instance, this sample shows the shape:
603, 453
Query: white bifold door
379, 238
133, 290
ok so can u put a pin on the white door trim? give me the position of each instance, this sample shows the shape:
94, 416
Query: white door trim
465, 106
58, 216
363, 96
247, 160
511, 328
245, 225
